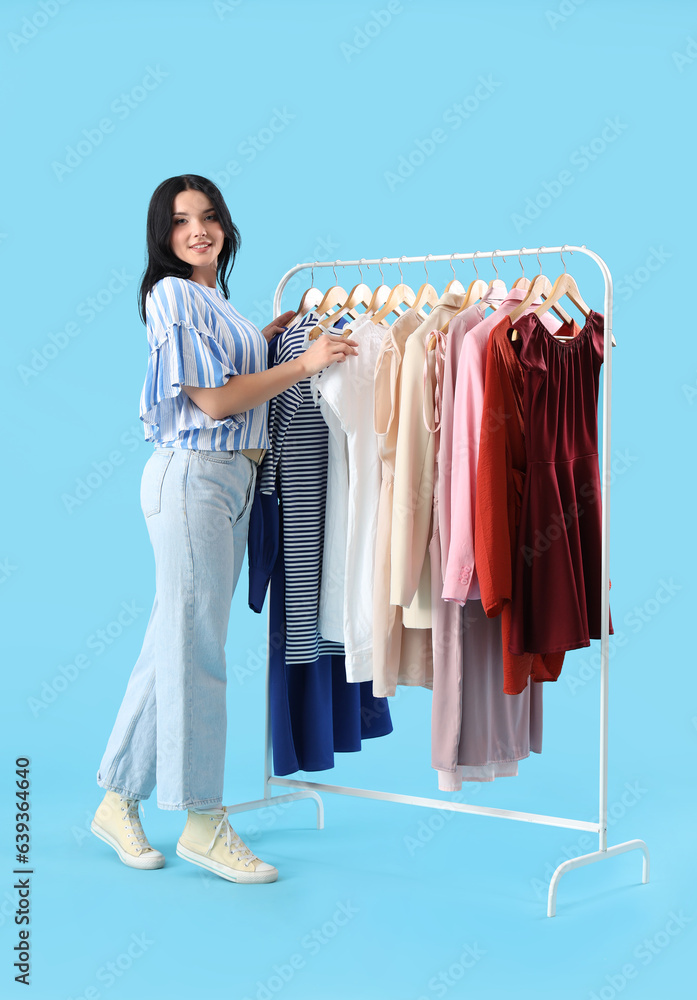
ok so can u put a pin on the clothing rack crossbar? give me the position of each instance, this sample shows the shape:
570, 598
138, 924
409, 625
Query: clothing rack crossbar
310, 789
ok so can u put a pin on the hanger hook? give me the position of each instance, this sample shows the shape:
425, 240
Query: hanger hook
538, 258
561, 254
426, 269
520, 261
451, 265
399, 265
493, 261
474, 262
312, 276
382, 276
336, 280
359, 268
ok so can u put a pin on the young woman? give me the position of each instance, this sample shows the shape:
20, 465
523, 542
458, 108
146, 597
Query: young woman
204, 405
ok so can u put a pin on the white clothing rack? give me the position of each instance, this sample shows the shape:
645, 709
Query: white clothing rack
310, 789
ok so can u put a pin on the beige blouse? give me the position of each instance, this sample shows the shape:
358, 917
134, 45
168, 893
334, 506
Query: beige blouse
400, 655
415, 463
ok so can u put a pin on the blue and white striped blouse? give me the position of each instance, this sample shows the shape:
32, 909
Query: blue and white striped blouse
198, 338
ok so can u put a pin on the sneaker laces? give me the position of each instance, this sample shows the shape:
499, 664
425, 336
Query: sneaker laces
233, 841
133, 820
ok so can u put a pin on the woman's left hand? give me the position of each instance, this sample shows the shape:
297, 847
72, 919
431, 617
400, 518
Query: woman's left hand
278, 324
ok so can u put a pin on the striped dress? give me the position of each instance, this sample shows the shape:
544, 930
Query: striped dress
198, 338
296, 466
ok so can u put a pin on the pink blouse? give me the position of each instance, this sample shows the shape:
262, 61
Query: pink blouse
460, 576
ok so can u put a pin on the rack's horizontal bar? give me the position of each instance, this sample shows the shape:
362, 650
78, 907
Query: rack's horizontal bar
430, 257
415, 800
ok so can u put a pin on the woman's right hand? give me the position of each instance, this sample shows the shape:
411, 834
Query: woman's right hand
327, 349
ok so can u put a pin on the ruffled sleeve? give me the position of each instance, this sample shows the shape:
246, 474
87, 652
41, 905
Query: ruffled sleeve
597, 322
183, 351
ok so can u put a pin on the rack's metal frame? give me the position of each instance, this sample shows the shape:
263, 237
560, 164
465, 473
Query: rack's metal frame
310, 789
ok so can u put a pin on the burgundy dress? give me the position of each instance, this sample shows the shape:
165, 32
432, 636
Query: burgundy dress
557, 586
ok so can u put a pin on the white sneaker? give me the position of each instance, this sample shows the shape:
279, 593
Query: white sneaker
117, 823
208, 840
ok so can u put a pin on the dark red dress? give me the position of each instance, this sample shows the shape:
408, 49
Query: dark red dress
557, 585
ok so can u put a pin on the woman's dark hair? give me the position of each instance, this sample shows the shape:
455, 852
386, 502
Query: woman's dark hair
161, 259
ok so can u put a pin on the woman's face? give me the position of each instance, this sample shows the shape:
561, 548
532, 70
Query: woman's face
196, 235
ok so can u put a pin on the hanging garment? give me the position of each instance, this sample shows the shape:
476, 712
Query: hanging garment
345, 391
414, 466
557, 582
500, 477
477, 732
314, 711
459, 574
296, 465
457, 329
401, 655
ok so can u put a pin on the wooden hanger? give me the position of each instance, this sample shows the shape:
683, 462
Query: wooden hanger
359, 294
541, 285
379, 295
566, 285
426, 295
401, 294
476, 290
311, 298
334, 296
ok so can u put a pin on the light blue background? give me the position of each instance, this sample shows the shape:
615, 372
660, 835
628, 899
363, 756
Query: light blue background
355, 101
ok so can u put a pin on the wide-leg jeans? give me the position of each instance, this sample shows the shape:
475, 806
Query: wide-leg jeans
170, 729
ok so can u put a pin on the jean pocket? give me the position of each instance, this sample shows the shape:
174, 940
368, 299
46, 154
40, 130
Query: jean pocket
220, 457
151, 483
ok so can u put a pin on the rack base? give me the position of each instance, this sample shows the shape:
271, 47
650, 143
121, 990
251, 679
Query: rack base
310, 789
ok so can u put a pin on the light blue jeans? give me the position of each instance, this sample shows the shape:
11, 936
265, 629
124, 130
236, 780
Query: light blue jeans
170, 729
